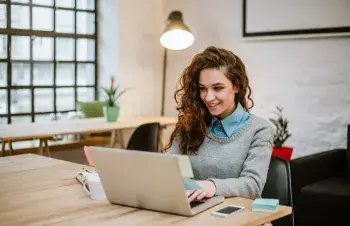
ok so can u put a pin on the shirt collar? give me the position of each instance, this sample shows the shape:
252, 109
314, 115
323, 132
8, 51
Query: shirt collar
230, 122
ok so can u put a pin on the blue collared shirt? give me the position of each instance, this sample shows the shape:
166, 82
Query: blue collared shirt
228, 126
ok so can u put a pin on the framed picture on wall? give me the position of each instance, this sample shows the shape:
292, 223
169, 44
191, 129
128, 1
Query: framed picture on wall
296, 18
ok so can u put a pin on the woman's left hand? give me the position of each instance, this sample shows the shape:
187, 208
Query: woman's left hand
207, 191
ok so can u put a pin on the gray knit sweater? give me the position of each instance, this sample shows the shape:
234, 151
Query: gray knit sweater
237, 165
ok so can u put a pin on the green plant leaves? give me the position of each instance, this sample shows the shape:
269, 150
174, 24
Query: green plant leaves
281, 128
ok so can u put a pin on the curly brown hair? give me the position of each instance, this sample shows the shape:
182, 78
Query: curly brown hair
194, 117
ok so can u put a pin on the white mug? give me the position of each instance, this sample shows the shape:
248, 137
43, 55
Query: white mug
96, 190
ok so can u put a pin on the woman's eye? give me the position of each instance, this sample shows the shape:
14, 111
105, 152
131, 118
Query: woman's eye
218, 88
201, 88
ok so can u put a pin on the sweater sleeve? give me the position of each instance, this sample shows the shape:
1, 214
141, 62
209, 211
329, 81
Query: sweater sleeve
175, 147
252, 179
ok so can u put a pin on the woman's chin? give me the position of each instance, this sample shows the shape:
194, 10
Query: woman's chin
215, 113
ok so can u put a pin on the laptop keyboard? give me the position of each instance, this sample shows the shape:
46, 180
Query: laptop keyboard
195, 203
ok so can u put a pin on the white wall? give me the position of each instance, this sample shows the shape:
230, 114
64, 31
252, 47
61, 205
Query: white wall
309, 77
130, 49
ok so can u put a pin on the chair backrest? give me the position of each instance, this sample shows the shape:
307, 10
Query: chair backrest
145, 138
278, 186
348, 151
91, 109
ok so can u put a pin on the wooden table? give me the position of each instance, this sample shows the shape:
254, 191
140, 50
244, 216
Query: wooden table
46, 130
37, 190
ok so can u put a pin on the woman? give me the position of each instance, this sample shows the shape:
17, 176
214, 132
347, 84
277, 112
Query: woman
229, 148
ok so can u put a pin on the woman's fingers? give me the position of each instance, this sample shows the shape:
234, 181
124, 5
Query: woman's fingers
195, 195
202, 195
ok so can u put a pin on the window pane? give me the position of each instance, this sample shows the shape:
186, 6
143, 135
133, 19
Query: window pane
42, 18
85, 23
20, 17
43, 74
42, 118
43, 2
3, 74
21, 1
3, 20
85, 49
43, 100
86, 74
65, 21
3, 120
65, 74
65, 49
65, 3
20, 101
20, 47
3, 46
86, 94
21, 119
65, 99
3, 101
43, 48
86, 4
20, 74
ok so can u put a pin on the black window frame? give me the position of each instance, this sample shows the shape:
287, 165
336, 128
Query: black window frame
9, 32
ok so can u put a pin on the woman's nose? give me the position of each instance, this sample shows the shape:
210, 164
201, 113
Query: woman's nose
210, 96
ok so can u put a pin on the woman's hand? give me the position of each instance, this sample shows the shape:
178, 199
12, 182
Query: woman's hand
207, 191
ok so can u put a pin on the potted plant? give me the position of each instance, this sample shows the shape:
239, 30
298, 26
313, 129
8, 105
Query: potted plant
111, 109
281, 135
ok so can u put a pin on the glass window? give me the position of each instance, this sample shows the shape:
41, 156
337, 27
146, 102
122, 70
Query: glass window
3, 120
86, 74
65, 3
43, 48
3, 101
20, 17
3, 46
65, 21
65, 49
86, 94
20, 1
21, 119
20, 74
86, 4
42, 19
3, 74
43, 100
43, 2
20, 47
65, 74
3, 17
52, 61
42, 118
85, 23
43, 74
85, 49
20, 101
65, 99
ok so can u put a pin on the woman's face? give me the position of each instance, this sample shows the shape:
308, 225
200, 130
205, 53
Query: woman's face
217, 92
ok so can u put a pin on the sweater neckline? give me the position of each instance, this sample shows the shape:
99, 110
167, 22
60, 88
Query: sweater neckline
235, 136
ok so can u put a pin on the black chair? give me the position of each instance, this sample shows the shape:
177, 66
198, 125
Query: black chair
278, 186
145, 138
321, 188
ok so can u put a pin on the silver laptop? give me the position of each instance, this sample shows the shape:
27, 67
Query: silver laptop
145, 180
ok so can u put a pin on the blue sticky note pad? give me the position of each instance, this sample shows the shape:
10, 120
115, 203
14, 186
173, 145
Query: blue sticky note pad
190, 184
265, 205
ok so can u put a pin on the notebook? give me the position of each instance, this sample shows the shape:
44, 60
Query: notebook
265, 205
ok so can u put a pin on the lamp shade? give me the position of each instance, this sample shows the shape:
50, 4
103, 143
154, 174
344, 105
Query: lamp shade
176, 35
